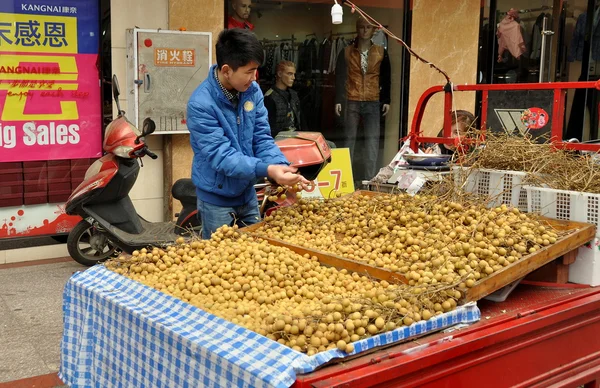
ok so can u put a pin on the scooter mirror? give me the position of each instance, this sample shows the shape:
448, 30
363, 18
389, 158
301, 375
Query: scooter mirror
116, 93
148, 127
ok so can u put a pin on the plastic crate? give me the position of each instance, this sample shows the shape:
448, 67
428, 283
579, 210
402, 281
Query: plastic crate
35, 198
565, 205
35, 186
35, 170
11, 173
586, 268
58, 196
11, 200
75, 182
59, 184
11, 189
59, 172
501, 187
11, 168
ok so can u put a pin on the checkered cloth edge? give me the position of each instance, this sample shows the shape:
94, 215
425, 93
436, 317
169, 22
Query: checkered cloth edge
118, 332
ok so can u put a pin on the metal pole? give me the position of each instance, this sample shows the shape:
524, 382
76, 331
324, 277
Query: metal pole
545, 33
549, 60
543, 50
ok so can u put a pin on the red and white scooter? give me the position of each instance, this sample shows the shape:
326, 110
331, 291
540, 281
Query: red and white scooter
110, 221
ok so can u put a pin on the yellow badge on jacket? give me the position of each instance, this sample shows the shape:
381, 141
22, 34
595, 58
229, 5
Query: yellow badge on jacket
248, 106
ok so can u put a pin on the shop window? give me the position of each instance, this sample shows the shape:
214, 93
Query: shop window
52, 109
32, 182
511, 50
320, 70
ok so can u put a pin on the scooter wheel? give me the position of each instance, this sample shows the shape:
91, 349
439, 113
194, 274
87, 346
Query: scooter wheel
89, 246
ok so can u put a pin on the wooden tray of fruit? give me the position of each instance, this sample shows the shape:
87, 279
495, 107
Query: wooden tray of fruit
577, 234
486, 253
331, 260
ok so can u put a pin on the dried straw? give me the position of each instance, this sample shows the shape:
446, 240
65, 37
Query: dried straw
544, 163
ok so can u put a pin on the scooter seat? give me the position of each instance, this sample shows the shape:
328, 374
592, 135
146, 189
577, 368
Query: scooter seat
184, 190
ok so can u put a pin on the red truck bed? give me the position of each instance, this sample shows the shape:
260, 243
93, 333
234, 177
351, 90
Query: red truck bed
542, 335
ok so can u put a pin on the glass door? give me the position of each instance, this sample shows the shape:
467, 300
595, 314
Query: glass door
530, 41
583, 64
518, 41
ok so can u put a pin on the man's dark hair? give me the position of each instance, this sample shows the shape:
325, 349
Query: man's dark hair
238, 47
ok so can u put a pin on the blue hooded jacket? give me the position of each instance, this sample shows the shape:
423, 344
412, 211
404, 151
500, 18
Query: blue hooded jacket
232, 147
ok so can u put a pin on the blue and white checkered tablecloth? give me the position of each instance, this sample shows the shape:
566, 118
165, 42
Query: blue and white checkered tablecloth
120, 333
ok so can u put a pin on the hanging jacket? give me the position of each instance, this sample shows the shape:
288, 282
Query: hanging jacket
353, 85
284, 110
325, 56
510, 38
304, 59
332, 56
232, 146
536, 38
276, 59
578, 40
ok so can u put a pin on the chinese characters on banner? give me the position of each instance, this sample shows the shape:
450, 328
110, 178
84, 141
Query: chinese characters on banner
174, 57
49, 81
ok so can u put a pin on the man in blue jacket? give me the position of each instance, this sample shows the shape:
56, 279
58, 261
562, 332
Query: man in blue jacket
231, 137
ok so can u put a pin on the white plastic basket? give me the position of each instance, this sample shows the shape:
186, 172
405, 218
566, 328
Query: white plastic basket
565, 205
586, 268
501, 187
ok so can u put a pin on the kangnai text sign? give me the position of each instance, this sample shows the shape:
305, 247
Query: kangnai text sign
49, 80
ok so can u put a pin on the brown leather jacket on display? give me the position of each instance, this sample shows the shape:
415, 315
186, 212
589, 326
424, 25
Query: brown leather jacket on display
352, 85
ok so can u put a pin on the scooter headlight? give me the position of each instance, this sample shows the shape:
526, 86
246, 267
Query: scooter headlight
123, 152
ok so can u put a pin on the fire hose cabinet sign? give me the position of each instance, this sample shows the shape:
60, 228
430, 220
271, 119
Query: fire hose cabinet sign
163, 69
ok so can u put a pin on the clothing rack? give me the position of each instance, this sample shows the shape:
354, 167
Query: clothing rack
544, 8
530, 10
343, 33
292, 39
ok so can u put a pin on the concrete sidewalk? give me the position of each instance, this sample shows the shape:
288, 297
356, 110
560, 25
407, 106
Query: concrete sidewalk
31, 317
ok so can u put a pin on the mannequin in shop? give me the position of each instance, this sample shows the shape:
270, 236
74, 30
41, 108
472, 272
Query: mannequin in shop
363, 78
282, 101
240, 15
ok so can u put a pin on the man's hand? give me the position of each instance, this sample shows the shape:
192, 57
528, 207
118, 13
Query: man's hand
285, 175
338, 109
385, 109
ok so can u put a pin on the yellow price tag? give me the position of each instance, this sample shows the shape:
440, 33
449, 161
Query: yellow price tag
336, 177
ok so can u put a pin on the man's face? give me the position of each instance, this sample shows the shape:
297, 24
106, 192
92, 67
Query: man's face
242, 78
242, 8
365, 30
287, 76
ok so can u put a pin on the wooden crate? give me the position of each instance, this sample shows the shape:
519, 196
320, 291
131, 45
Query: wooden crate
578, 234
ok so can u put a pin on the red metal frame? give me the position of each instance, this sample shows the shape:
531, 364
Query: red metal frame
558, 109
549, 344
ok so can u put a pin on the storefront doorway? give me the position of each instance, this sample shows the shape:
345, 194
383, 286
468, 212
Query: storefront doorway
301, 33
